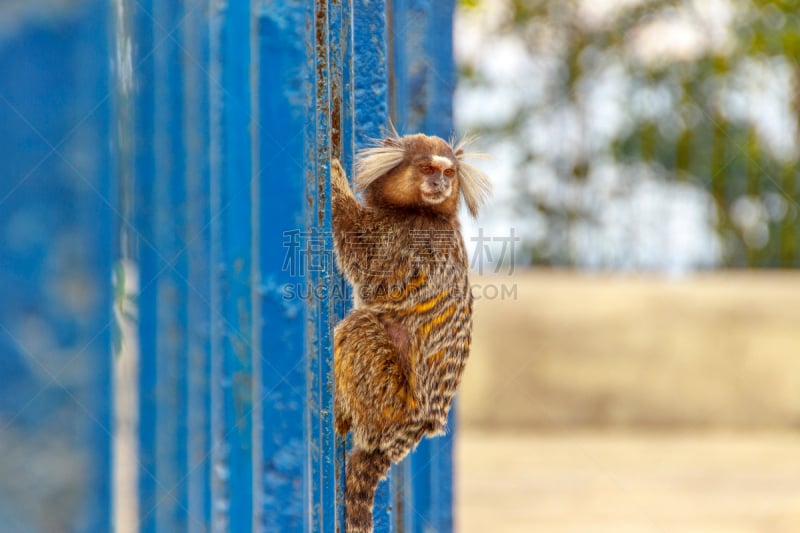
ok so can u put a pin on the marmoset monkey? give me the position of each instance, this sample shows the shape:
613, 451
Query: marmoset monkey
399, 354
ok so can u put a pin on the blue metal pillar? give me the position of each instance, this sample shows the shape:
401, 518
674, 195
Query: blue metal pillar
341, 32
372, 73
163, 172
232, 259
138, 235
303, 110
320, 441
195, 57
153, 164
57, 204
421, 91
282, 110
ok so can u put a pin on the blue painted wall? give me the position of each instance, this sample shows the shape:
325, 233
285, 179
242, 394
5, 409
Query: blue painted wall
165, 231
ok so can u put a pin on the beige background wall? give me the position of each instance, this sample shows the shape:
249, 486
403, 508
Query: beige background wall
576, 350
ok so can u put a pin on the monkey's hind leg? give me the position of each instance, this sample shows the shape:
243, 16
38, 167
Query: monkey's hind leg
373, 399
373, 379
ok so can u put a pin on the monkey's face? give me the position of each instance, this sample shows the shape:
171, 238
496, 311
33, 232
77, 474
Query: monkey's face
437, 179
420, 172
427, 178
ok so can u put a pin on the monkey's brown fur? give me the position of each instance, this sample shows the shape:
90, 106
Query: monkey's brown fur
399, 354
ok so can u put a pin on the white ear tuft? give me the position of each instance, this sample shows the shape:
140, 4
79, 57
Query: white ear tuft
475, 185
372, 163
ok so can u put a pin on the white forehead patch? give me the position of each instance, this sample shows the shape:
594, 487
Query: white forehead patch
441, 162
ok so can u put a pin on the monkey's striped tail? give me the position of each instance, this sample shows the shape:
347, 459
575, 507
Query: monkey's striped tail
364, 471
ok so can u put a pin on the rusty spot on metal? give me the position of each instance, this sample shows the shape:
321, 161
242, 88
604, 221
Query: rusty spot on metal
310, 178
336, 116
321, 204
322, 103
321, 51
322, 196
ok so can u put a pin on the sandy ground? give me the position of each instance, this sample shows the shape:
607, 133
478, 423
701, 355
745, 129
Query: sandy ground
627, 483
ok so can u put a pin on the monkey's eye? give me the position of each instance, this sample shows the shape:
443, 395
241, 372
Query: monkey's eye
449, 172
426, 169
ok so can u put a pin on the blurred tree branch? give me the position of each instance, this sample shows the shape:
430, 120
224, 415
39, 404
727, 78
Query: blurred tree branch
687, 115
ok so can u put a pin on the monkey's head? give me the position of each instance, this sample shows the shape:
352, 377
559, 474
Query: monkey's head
420, 172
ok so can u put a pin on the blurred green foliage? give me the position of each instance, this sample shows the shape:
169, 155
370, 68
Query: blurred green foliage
696, 138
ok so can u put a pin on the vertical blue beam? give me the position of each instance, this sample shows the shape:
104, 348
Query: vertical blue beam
321, 445
343, 85
232, 260
295, 260
421, 100
371, 68
195, 64
169, 233
371, 89
90, 158
56, 213
281, 109
158, 236
161, 136
219, 491
138, 233
342, 147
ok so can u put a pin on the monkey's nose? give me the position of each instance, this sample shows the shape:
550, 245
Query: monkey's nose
439, 182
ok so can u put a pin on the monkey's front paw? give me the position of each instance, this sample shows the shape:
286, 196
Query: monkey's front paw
338, 177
